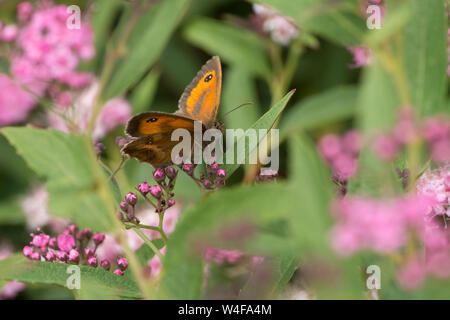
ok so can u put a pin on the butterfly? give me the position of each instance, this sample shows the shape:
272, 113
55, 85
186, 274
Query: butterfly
151, 132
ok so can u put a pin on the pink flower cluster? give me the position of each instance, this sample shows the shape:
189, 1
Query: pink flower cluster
72, 246
281, 28
386, 225
436, 185
229, 257
341, 153
362, 56
44, 55
378, 224
435, 131
214, 178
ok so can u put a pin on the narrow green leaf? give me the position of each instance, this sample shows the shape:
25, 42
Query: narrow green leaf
142, 96
332, 105
265, 122
153, 36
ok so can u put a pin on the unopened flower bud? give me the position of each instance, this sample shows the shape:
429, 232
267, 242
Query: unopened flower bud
207, 184
188, 168
124, 206
98, 238
118, 272
74, 256
27, 251
170, 203
50, 256
35, 256
131, 198
105, 264
122, 263
159, 175
62, 256
221, 174
89, 252
171, 173
144, 188
92, 261
73, 229
156, 191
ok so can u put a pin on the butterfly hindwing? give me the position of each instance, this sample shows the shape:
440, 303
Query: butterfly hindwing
200, 100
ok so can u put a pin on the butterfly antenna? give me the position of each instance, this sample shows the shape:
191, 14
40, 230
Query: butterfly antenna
122, 161
238, 107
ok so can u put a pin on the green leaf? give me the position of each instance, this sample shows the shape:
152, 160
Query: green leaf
142, 96
182, 273
233, 44
11, 212
62, 160
265, 122
105, 283
332, 105
148, 41
239, 88
425, 56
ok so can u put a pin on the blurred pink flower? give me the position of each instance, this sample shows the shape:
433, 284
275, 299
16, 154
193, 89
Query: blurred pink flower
362, 56
436, 184
219, 256
155, 264
14, 102
115, 112
281, 28
385, 147
412, 275
9, 33
110, 249
11, 288
24, 11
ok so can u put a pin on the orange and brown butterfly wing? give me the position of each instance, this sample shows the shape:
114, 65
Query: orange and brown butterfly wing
153, 132
200, 100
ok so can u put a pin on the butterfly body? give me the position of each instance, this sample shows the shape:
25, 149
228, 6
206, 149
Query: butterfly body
151, 132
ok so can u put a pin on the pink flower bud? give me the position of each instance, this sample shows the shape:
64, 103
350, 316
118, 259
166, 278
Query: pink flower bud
131, 198
159, 175
50, 256
122, 263
35, 256
9, 33
74, 256
89, 252
40, 240
66, 242
170, 203
24, 11
144, 188
98, 238
156, 191
52, 243
188, 168
86, 233
105, 264
62, 256
73, 229
92, 261
171, 173
221, 174
27, 251
118, 272
124, 206
207, 184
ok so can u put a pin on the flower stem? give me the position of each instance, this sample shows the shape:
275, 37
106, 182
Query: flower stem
149, 243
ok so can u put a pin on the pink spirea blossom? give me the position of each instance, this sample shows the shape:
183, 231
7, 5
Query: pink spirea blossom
281, 28
436, 131
44, 54
11, 288
436, 184
341, 152
114, 113
219, 256
362, 56
14, 102
66, 242
378, 224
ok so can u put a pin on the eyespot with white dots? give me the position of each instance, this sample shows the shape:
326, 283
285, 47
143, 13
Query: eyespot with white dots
208, 78
151, 120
